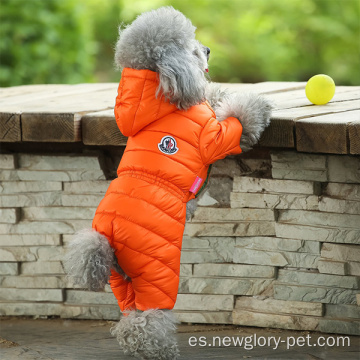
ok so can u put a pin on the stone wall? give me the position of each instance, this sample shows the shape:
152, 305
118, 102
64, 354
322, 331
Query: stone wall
274, 241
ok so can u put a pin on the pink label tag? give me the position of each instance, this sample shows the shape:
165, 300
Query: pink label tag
195, 186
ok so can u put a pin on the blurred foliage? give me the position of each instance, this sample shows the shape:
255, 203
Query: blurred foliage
45, 42
251, 41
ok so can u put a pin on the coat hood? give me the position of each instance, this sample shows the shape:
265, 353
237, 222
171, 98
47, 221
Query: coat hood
136, 104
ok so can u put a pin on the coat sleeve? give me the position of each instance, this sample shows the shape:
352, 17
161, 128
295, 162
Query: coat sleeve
219, 139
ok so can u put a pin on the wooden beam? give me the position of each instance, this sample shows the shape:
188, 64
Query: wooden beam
10, 127
100, 129
280, 133
354, 136
325, 134
52, 114
71, 113
55, 127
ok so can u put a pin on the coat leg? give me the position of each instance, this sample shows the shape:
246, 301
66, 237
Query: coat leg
123, 291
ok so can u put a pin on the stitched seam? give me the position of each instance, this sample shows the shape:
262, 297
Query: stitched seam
158, 289
139, 77
138, 106
138, 198
177, 136
134, 222
151, 257
187, 117
160, 103
225, 153
201, 154
155, 152
154, 180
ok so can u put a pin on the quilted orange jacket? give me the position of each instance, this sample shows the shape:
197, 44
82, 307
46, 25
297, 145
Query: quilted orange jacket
165, 163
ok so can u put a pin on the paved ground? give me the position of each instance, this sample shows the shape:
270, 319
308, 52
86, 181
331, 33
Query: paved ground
59, 339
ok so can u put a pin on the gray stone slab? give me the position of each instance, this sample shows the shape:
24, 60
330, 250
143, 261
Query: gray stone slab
31, 199
249, 228
59, 213
9, 216
49, 175
315, 294
339, 252
342, 311
256, 185
344, 169
311, 278
35, 282
7, 161
9, 187
202, 302
234, 270
29, 240
315, 233
81, 187
274, 201
315, 218
15, 254
42, 268
343, 191
273, 306
50, 295
204, 214
275, 258
339, 326
332, 267
234, 286
45, 227
278, 244
89, 297
9, 268
300, 174
62, 162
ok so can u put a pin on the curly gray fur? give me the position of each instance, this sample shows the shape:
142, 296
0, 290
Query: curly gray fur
191, 207
253, 112
215, 94
89, 260
148, 334
163, 40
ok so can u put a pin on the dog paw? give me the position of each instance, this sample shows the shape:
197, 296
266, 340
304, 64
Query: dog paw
253, 112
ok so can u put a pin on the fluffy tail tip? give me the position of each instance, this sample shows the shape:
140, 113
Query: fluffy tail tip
89, 259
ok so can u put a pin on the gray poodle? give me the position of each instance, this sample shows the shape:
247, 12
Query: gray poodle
160, 48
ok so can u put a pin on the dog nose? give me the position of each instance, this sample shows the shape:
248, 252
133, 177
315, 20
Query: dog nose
207, 51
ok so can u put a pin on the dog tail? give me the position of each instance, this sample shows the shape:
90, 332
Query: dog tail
89, 260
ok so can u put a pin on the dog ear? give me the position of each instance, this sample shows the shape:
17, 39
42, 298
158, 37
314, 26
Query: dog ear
182, 81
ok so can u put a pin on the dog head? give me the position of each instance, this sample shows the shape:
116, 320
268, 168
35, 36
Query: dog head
163, 41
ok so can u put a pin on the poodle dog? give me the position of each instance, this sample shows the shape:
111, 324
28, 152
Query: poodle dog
177, 124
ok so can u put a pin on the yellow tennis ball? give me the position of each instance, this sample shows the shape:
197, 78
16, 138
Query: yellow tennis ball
320, 89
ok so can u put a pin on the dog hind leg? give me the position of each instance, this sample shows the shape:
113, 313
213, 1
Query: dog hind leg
148, 334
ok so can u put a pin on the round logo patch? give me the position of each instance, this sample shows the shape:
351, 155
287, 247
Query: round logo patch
168, 145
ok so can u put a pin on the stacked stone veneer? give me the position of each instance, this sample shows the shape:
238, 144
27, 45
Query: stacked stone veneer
274, 242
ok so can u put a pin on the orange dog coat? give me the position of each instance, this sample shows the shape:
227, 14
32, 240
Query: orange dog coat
164, 164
